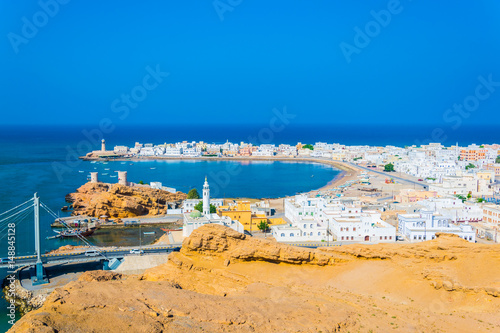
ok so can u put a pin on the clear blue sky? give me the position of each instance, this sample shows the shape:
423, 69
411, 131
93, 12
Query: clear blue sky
261, 55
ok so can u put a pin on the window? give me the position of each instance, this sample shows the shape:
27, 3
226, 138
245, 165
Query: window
282, 235
342, 237
414, 237
291, 235
311, 226
352, 238
341, 229
311, 234
385, 238
390, 237
354, 229
346, 229
380, 237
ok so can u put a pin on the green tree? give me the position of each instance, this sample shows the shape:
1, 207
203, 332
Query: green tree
199, 207
141, 182
193, 194
308, 146
461, 197
497, 160
469, 195
263, 226
470, 166
389, 167
479, 200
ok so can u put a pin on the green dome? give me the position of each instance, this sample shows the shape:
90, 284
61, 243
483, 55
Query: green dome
195, 213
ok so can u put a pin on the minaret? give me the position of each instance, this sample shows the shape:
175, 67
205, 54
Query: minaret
103, 145
206, 198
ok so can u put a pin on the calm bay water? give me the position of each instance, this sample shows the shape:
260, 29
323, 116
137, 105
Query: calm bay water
45, 160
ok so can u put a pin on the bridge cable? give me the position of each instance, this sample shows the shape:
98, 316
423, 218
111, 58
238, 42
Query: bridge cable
12, 215
17, 220
17, 206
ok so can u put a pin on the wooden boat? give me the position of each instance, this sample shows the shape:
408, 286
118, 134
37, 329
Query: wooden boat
75, 233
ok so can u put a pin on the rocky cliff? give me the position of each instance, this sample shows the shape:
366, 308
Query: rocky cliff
114, 200
223, 281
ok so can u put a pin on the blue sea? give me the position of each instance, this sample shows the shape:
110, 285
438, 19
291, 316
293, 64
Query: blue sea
45, 160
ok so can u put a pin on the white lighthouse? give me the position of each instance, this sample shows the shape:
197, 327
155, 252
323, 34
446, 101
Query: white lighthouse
206, 198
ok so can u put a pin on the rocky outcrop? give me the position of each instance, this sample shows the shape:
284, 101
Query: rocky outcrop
24, 300
118, 201
223, 281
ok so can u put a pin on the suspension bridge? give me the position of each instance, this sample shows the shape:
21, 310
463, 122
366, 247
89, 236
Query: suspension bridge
110, 257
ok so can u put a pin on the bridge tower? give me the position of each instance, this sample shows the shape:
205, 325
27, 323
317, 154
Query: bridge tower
39, 277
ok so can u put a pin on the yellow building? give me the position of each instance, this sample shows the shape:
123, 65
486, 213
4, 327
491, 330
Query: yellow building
242, 212
488, 175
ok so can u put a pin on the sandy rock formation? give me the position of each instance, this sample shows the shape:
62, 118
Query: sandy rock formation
223, 281
118, 201
68, 248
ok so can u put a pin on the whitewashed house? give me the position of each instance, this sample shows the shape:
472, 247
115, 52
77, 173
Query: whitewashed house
424, 226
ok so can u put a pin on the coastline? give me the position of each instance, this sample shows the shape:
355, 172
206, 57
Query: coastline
347, 172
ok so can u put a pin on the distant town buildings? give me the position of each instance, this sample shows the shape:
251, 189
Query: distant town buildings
461, 195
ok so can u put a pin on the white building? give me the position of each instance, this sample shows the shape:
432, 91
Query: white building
321, 219
368, 227
191, 152
264, 150
424, 226
462, 185
195, 220
453, 208
173, 151
121, 149
188, 204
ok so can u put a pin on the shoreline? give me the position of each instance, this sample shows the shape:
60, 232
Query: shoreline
347, 172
